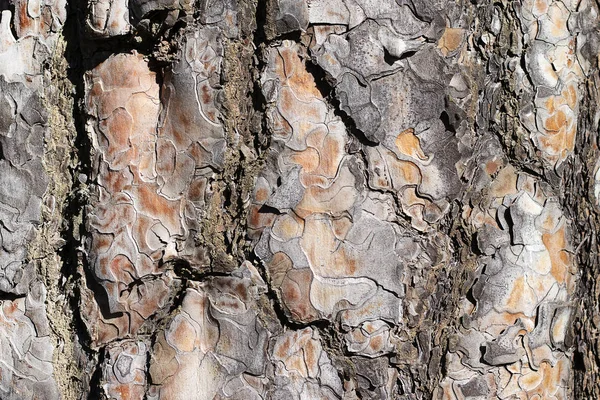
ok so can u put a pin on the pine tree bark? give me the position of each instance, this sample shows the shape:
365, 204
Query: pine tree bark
299, 199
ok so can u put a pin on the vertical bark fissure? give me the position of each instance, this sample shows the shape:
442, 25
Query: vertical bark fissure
581, 203
443, 134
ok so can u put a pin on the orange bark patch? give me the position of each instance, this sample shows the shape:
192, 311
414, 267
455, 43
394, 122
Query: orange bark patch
313, 180
376, 344
558, 19
206, 95
556, 243
550, 104
308, 159
492, 166
287, 102
25, 22
166, 155
10, 308
350, 263
278, 267
122, 269
197, 190
101, 243
540, 7
341, 227
146, 298
334, 199
510, 319
570, 96
410, 197
324, 252
451, 40
262, 194
505, 183
551, 377
118, 132
282, 349
123, 391
299, 80
295, 290
333, 150
555, 122
258, 219
241, 291
115, 181
409, 145
521, 296
287, 227
311, 356
154, 205
404, 173
531, 380
560, 326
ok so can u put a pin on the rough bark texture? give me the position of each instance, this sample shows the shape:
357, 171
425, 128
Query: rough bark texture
299, 199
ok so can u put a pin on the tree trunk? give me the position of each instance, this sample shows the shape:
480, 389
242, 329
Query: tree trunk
299, 199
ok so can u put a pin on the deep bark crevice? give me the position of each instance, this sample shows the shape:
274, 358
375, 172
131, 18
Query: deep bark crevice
581, 207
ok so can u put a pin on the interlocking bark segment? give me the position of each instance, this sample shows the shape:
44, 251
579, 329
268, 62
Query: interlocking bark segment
216, 345
153, 169
27, 361
554, 74
132, 225
124, 371
321, 200
28, 36
512, 339
299, 199
23, 182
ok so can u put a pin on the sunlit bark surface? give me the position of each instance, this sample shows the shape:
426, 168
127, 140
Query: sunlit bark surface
299, 199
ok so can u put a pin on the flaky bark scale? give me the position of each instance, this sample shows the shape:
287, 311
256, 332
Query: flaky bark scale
298, 199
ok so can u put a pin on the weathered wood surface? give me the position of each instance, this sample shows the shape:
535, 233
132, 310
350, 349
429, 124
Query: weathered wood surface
299, 199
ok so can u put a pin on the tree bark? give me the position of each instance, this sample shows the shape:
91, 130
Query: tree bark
299, 199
